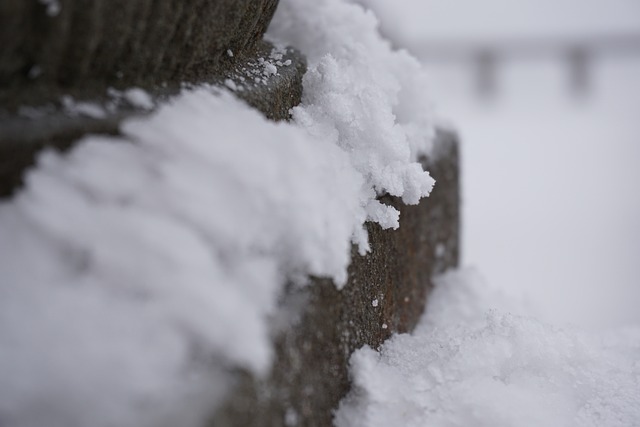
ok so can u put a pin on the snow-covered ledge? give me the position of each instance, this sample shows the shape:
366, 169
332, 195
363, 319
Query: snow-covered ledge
319, 327
186, 258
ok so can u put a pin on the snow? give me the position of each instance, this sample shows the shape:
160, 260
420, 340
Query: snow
82, 108
211, 210
139, 270
53, 7
231, 84
270, 69
481, 358
260, 71
291, 418
139, 98
365, 97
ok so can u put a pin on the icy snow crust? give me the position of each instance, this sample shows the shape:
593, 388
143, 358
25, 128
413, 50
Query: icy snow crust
136, 269
478, 359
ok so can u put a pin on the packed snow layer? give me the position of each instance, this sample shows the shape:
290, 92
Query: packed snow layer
479, 359
137, 270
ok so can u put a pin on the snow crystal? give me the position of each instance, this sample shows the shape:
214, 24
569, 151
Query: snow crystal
34, 72
53, 7
291, 418
374, 303
470, 363
260, 70
230, 53
80, 108
441, 250
268, 66
270, 69
231, 84
139, 98
277, 53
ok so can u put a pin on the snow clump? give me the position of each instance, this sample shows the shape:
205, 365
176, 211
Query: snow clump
139, 98
363, 96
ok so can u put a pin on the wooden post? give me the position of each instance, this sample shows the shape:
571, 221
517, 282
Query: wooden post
485, 73
579, 73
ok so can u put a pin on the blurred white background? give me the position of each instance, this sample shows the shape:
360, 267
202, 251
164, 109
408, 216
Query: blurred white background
551, 147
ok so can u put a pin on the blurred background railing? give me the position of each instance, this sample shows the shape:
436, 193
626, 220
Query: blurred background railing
577, 54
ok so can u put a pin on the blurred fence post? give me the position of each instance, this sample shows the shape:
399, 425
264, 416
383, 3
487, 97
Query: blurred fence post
486, 57
579, 71
486, 83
